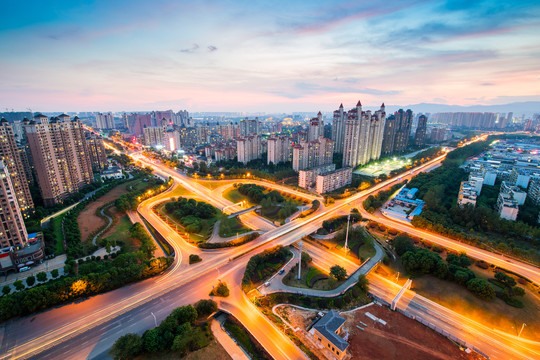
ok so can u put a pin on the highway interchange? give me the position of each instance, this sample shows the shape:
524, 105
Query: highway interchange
88, 328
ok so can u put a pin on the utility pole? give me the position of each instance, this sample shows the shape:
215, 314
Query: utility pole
300, 244
522, 326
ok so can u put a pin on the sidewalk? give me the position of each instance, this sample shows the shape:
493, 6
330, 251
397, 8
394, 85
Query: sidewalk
226, 341
47, 266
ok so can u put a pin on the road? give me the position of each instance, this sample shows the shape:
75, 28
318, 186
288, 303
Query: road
88, 328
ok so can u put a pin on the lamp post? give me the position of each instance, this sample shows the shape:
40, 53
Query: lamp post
347, 235
522, 326
300, 244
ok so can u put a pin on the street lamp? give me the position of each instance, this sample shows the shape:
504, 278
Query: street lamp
347, 235
522, 326
300, 244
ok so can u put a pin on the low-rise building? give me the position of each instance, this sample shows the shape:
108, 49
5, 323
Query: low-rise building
507, 206
516, 192
113, 172
328, 332
333, 180
30, 253
308, 178
467, 194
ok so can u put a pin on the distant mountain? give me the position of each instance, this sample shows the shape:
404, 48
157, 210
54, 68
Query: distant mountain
518, 108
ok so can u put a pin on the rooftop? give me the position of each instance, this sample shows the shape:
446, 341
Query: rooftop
328, 325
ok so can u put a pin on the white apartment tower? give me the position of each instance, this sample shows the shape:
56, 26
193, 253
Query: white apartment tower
338, 129
363, 136
316, 128
104, 121
248, 148
279, 149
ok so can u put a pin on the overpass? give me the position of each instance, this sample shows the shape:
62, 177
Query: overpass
244, 211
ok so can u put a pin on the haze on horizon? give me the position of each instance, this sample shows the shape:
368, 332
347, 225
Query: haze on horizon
266, 56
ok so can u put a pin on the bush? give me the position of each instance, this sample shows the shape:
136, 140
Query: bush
54, 273
221, 290
205, 308
18, 285
127, 347
193, 259
41, 276
338, 272
31, 280
6, 289
481, 288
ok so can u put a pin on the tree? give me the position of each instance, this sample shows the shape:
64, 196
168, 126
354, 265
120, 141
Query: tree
221, 290
306, 258
402, 244
152, 340
6, 290
193, 258
127, 347
481, 288
363, 283
54, 273
185, 314
338, 272
18, 285
41, 276
31, 280
518, 291
205, 308
505, 279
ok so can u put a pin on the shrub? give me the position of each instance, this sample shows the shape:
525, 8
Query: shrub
54, 273
221, 290
127, 347
31, 280
41, 276
18, 285
338, 272
6, 289
205, 307
481, 288
193, 259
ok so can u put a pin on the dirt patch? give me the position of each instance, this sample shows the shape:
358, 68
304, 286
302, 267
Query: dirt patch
401, 338
88, 220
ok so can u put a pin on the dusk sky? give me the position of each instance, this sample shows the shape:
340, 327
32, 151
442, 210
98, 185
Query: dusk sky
265, 55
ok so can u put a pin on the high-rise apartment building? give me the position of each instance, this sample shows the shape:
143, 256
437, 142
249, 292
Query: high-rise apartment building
12, 229
203, 134
248, 148
363, 136
60, 156
153, 136
104, 121
420, 135
250, 126
10, 155
389, 135
316, 128
312, 154
403, 129
96, 151
188, 137
338, 128
279, 149
171, 140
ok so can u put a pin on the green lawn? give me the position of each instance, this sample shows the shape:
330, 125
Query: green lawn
230, 227
233, 195
206, 225
120, 232
58, 235
307, 275
494, 313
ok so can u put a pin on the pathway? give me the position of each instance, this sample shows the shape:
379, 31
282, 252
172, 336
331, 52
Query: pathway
276, 283
225, 340
106, 227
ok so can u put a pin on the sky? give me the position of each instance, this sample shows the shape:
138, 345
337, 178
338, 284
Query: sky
274, 56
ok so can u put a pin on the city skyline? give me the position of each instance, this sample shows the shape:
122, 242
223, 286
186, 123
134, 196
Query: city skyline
294, 56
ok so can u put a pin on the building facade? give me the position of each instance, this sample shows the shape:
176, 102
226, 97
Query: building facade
248, 148
104, 121
363, 136
10, 154
279, 149
12, 229
421, 128
60, 156
333, 180
154, 136
313, 154
96, 151
307, 178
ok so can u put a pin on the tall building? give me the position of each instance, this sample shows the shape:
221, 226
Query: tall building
389, 136
420, 135
60, 156
279, 149
96, 151
316, 128
250, 126
12, 229
203, 134
188, 137
312, 154
248, 148
153, 136
363, 136
403, 129
10, 155
338, 128
104, 121
171, 140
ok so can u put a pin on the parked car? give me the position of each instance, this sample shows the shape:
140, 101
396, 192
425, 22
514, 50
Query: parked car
281, 271
24, 268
